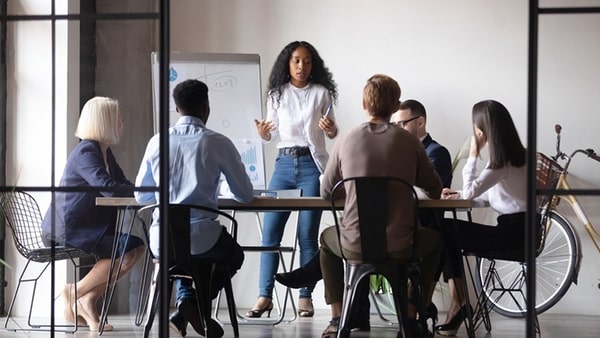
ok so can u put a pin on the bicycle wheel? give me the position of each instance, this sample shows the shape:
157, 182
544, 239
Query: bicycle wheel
555, 267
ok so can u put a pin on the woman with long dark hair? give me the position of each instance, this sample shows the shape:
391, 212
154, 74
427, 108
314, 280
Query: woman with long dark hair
300, 99
502, 183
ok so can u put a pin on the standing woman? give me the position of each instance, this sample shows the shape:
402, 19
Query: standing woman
503, 184
300, 100
78, 222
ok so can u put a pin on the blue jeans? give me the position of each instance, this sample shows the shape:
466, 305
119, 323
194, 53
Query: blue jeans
290, 173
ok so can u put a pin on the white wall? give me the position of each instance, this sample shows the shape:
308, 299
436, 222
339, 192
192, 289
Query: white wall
29, 103
447, 54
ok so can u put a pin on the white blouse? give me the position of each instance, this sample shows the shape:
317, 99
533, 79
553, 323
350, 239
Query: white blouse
505, 189
296, 119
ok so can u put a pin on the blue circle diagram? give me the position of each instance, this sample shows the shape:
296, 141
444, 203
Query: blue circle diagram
172, 74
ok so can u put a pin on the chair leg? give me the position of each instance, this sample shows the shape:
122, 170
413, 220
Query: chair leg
12, 303
152, 304
231, 305
401, 303
374, 301
352, 277
414, 276
143, 297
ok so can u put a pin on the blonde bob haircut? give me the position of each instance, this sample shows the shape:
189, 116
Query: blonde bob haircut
99, 121
381, 96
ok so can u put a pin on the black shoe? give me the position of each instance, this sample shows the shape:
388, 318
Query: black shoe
189, 309
178, 322
297, 279
213, 329
417, 330
363, 325
451, 327
431, 312
257, 313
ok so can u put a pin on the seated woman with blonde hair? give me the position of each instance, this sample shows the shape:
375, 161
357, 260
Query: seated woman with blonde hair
77, 221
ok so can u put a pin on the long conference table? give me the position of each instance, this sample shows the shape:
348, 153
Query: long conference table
259, 204
285, 203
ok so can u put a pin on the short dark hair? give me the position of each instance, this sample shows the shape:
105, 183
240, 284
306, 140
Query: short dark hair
416, 108
191, 97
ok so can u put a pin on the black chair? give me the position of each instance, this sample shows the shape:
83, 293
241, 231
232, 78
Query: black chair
494, 285
23, 216
374, 196
181, 265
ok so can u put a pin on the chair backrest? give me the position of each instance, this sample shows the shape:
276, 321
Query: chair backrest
179, 228
22, 214
377, 199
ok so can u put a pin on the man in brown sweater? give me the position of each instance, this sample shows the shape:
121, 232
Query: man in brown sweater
384, 150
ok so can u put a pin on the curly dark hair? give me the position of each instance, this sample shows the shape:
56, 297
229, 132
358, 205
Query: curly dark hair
280, 74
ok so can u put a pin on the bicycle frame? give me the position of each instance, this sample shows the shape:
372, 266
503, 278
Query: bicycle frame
577, 209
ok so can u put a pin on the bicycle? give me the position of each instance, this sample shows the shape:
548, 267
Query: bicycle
558, 253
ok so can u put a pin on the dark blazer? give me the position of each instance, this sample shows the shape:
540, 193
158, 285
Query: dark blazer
440, 157
79, 222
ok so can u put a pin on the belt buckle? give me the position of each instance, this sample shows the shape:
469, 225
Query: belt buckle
294, 152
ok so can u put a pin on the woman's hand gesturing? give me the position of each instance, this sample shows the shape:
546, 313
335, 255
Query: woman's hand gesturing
264, 129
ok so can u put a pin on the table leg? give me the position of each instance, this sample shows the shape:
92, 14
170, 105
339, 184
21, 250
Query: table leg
111, 282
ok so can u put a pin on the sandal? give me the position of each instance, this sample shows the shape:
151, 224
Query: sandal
309, 311
332, 329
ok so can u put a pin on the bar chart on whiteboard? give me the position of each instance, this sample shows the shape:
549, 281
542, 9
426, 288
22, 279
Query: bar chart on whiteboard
251, 152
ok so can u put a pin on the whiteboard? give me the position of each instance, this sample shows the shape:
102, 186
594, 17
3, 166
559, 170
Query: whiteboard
234, 94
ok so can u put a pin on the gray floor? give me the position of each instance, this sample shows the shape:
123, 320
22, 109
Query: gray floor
552, 326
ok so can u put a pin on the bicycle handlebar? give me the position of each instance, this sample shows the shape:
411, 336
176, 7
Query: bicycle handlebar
589, 152
592, 154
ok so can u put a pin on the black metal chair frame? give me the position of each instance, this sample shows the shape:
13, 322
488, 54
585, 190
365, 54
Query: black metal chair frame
372, 202
493, 283
279, 250
23, 216
181, 266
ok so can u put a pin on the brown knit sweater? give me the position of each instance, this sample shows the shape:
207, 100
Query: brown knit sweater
380, 150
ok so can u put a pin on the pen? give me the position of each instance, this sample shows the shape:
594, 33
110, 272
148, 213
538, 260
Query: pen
328, 110
451, 193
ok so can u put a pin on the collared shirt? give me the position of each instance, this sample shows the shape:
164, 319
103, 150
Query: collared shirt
197, 158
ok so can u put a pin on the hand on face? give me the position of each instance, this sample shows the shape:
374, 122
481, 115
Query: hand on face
478, 140
264, 128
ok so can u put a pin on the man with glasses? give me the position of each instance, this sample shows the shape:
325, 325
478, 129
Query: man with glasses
413, 118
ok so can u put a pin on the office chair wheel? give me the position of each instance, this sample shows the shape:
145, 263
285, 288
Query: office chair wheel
556, 269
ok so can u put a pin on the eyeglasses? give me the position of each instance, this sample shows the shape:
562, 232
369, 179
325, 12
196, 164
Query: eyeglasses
405, 122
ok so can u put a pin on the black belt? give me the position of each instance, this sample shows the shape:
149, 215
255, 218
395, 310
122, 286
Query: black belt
295, 151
